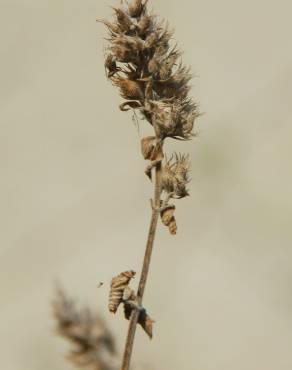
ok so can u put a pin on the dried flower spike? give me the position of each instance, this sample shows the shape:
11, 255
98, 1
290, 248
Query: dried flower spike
147, 69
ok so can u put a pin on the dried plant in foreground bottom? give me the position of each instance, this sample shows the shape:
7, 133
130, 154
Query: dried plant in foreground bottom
141, 62
94, 346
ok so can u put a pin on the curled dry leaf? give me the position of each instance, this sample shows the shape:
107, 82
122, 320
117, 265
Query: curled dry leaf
118, 286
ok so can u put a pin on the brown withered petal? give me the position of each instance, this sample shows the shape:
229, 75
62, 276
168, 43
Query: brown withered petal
118, 285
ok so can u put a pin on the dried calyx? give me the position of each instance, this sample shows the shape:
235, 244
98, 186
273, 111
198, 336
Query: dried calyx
121, 293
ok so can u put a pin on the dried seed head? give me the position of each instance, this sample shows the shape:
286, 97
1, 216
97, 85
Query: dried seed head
140, 44
163, 118
175, 176
118, 286
172, 119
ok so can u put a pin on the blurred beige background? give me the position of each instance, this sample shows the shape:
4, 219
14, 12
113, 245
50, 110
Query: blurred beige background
75, 201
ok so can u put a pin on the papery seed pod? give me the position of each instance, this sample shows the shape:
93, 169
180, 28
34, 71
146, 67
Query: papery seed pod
129, 89
118, 286
168, 219
144, 319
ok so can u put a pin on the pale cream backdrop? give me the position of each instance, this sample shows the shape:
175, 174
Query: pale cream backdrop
75, 202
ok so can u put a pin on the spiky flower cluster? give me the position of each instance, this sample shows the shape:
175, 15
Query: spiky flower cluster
175, 176
141, 62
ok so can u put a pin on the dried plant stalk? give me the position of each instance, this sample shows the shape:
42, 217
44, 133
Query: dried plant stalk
150, 76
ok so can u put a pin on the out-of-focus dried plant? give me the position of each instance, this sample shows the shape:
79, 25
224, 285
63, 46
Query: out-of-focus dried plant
145, 66
94, 345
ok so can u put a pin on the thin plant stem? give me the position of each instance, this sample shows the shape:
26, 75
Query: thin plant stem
144, 274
